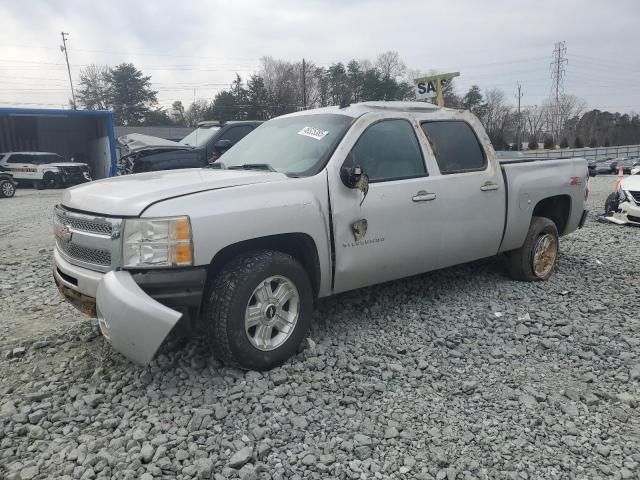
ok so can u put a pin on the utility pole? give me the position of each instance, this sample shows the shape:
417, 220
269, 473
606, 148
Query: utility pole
304, 85
518, 137
63, 48
557, 81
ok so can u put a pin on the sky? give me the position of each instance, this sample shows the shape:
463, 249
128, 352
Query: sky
192, 49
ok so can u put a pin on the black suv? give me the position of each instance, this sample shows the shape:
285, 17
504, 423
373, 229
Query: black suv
200, 148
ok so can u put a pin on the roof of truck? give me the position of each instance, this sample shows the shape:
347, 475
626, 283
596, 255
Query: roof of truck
358, 109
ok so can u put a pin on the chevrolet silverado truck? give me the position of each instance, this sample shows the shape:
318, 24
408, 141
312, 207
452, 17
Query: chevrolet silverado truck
308, 205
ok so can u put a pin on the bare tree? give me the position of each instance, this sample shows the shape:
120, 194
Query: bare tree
390, 65
196, 112
93, 91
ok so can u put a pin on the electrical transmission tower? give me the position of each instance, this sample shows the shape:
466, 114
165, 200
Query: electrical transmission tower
557, 82
63, 48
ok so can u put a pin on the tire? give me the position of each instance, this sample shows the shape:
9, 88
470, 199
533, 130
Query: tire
611, 203
51, 180
7, 189
238, 289
523, 261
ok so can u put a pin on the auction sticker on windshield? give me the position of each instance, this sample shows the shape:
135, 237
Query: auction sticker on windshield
313, 133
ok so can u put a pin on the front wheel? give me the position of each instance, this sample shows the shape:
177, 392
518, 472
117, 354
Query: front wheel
536, 259
7, 189
257, 310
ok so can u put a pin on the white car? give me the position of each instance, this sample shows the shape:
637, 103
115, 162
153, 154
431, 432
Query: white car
623, 207
635, 169
44, 169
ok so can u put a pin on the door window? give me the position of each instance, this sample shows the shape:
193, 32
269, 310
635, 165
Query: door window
455, 146
236, 133
388, 150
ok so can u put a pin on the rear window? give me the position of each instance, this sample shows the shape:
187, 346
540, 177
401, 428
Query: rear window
456, 146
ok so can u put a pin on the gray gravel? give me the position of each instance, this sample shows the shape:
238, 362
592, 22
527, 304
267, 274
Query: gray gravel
460, 373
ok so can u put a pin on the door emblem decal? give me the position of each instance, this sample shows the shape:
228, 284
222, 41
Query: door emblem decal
359, 229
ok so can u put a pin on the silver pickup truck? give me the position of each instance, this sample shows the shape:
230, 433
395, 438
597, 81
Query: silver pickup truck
309, 204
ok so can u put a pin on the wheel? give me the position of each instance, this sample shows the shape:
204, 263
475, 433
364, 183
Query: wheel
52, 180
611, 203
258, 309
537, 257
7, 189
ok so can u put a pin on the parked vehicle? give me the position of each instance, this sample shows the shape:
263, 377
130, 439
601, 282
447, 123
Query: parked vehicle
626, 164
198, 149
635, 169
44, 169
606, 167
504, 154
623, 205
7, 184
592, 165
310, 204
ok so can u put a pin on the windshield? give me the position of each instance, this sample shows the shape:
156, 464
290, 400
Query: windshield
297, 146
50, 158
200, 136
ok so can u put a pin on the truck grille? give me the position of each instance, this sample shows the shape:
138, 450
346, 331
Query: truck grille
78, 223
636, 196
87, 241
74, 174
89, 255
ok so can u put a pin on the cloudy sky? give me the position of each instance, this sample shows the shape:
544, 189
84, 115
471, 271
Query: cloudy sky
187, 45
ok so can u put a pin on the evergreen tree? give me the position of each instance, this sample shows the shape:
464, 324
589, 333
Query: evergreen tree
533, 143
564, 143
130, 94
577, 143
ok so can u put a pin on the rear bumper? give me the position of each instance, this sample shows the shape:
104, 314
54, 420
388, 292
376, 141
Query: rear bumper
135, 311
583, 218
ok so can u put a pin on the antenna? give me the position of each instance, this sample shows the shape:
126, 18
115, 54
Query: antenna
63, 48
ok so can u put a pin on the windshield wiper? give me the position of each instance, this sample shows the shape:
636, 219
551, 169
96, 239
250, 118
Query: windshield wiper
253, 166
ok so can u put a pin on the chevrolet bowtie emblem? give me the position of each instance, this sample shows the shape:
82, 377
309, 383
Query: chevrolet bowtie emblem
65, 234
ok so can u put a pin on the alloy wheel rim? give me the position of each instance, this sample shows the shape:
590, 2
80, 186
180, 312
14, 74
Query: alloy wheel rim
7, 189
544, 255
272, 313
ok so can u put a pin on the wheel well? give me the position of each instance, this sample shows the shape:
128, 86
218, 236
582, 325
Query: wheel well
556, 209
299, 245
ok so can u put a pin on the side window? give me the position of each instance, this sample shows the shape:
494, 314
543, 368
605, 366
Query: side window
15, 159
389, 150
235, 134
456, 146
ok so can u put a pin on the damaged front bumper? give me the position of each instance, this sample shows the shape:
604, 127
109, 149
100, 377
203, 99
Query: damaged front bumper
130, 318
626, 214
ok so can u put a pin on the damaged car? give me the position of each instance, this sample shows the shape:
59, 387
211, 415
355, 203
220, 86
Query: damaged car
200, 148
623, 205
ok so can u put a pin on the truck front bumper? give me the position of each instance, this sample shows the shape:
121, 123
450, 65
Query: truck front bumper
132, 320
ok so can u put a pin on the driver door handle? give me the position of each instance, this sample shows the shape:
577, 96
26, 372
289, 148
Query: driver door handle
488, 186
423, 196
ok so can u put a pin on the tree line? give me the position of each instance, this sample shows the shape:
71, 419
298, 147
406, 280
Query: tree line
281, 86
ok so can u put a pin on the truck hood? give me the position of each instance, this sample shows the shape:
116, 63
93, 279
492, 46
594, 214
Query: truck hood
138, 141
130, 195
67, 164
631, 182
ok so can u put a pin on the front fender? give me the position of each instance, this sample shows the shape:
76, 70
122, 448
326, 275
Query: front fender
224, 217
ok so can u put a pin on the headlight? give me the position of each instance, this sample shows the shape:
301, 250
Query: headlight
157, 242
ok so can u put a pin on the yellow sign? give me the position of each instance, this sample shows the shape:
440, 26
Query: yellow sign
434, 83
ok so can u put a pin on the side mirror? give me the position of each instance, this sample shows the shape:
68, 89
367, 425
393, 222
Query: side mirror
355, 177
223, 144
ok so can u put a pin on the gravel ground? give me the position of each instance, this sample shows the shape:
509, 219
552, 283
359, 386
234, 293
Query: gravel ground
460, 373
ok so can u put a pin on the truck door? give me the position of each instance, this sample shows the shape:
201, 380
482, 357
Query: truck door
473, 192
394, 231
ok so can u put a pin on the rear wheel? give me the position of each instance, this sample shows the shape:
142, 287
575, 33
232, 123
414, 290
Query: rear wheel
7, 189
257, 310
536, 259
